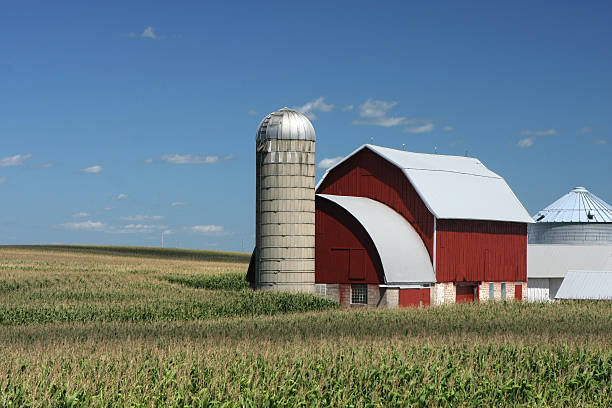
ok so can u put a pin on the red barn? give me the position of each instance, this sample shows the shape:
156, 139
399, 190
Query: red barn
402, 228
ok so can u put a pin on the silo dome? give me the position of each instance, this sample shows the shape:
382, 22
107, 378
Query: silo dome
579, 217
285, 124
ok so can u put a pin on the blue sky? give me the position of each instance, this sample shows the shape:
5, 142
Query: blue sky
120, 120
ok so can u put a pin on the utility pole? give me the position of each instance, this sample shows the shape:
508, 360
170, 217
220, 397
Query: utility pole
163, 239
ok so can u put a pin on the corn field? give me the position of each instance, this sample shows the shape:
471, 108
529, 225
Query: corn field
84, 327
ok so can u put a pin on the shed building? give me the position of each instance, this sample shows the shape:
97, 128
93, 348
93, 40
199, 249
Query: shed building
402, 228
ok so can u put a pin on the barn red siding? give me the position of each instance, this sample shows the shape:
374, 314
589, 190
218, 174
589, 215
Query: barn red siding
344, 252
368, 175
468, 250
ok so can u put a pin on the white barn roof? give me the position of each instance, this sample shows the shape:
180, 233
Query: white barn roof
402, 252
554, 260
579, 205
586, 285
454, 186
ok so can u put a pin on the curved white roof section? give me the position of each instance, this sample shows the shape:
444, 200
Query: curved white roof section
285, 124
402, 252
579, 205
454, 187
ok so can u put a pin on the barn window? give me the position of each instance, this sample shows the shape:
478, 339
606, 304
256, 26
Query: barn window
503, 290
359, 294
491, 290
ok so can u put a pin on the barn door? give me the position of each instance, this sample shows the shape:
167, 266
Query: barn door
518, 292
465, 293
340, 262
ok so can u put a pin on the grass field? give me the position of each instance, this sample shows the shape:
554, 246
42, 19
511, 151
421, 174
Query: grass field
104, 326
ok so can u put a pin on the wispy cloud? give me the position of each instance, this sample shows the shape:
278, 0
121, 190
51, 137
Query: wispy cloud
148, 160
526, 142
179, 204
598, 141
193, 158
543, 132
85, 225
317, 105
447, 128
16, 160
118, 197
328, 162
348, 108
3, 180
138, 228
80, 214
91, 170
420, 129
149, 32
586, 129
375, 113
206, 228
108, 208
141, 217
252, 112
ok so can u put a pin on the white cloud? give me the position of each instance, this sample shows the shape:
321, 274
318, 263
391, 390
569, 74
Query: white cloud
3, 180
374, 113
85, 225
207, 228
328, 162
316, 105
149, 32
168, 232
420, 129
149, 160
131, 228
108, 208
120, 197
348, 108
447, 128
179, 204
193, 158
526, 142
141, 217
16, 160
544, 132
252, 112
586, 129
80, 214
91, 170
598, 141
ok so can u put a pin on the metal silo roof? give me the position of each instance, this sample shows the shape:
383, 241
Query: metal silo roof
285, 124
579, 205
586, 285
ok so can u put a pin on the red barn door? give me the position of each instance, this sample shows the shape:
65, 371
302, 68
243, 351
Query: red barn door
518, 292
414, 297
465, 293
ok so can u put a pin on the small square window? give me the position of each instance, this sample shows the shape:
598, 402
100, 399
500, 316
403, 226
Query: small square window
359, 294
491, 290
503, 290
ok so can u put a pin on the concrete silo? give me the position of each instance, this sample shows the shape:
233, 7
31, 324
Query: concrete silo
285, 203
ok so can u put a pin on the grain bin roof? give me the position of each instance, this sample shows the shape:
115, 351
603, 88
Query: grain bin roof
586, 285
402, 252
285, 124
454, 187
579, 205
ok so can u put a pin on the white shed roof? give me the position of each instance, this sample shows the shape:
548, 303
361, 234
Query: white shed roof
454, 186
579, 205
402, 252
553, 261
585, 285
